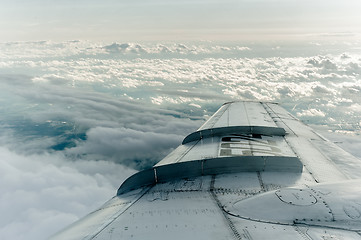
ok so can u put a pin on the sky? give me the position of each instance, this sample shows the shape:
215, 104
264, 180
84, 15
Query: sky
94, 91
169, 20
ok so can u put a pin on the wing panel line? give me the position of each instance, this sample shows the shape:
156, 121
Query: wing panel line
115, 216
219, 204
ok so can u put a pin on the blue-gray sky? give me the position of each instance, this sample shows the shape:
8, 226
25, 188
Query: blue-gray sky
171, 20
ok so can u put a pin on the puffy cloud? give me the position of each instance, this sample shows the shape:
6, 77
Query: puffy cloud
355, 107
47, 50
323, 63
321, 89
125, 48
117, 47
154, 77
311, 113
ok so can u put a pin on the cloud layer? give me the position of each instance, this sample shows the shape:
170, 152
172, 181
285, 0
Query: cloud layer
43, 193
170, 75
78, 117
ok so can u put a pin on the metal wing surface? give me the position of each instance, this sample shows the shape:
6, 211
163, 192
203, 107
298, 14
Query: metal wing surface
252, 171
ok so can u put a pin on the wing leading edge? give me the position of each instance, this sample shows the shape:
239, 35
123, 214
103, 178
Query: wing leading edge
252, 171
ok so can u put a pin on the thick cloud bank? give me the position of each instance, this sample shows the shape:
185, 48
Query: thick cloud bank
127, 146
42, 193
77, 118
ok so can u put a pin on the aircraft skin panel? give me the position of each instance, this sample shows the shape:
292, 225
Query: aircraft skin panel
313, 149
347, 163
290, 184
177, 154
174, 215
214, 118
241, 114
290, 123
320, 167
272, 181
95, 222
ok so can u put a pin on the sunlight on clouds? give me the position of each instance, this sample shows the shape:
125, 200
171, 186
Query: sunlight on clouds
195, 105
157, 100
174, 100
311, 113
355, 107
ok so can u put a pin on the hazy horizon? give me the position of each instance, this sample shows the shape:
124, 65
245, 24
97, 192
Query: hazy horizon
161, 20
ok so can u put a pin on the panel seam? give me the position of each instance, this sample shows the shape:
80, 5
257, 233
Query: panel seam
230, 224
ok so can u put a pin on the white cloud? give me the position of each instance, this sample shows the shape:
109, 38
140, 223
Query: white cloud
127, 146
46, 51
43, 193
311, 113
195, 105
355, 107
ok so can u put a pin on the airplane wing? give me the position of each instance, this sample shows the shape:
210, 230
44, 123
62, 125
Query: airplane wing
252, 171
